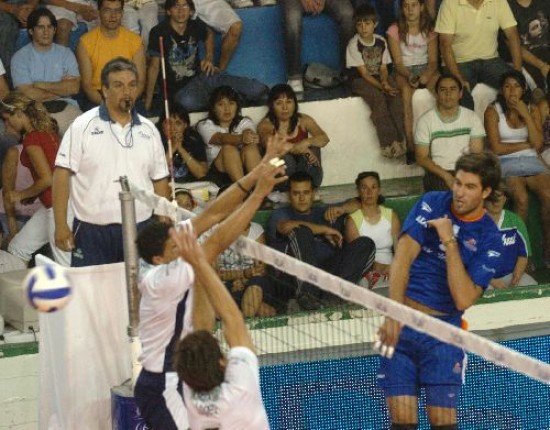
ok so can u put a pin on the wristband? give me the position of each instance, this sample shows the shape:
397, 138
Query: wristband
243, 189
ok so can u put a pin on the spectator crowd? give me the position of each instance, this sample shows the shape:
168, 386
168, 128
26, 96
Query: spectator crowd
74, 122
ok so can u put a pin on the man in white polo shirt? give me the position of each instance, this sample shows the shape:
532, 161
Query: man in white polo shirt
444, 133
102, 145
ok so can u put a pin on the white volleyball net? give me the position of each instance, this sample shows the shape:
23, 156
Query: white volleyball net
319, 369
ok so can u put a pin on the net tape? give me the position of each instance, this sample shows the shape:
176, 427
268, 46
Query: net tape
417, 320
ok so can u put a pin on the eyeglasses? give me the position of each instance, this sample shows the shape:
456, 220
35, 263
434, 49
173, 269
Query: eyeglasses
181, 6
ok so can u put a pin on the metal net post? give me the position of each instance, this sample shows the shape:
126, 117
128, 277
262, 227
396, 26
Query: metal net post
131, 265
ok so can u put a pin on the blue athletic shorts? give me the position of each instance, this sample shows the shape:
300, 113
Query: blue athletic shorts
423, 361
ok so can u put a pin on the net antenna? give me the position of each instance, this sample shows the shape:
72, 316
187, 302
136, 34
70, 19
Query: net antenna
131, 266
168, 129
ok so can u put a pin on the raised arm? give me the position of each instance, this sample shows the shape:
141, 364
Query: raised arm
235, 194
234, 328
239, 219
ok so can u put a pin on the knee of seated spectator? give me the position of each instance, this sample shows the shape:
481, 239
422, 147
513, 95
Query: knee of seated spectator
229, 150
520, 198
250, 149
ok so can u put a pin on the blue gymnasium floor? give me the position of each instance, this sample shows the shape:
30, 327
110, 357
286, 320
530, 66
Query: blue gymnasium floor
342, 394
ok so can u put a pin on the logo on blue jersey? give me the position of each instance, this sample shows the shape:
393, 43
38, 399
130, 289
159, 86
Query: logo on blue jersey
508, 241
488, 269
421, 220
493, 254
457, 368
96, 131
470, 244
426, 207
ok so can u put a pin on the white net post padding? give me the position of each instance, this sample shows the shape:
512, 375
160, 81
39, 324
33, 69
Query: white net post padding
443, 331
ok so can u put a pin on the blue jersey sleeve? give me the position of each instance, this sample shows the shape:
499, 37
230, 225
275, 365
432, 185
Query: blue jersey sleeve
485, 266
428, 207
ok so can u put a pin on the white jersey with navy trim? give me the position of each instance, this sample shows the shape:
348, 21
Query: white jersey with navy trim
98, 151
234, 405
165, 312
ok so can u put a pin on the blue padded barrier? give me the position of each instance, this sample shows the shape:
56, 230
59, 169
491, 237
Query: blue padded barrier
261, 52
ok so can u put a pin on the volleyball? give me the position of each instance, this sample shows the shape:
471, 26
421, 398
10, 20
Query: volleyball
48, 288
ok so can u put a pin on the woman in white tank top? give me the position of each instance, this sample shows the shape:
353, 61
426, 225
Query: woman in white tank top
514, 134
376, 221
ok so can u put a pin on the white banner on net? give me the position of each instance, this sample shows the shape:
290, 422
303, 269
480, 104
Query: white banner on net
443, 331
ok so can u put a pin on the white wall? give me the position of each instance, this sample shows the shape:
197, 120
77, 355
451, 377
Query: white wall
353, 145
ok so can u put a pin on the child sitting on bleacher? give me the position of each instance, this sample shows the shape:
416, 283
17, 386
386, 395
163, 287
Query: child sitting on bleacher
188, 157
368, 57
231, 139
413, 46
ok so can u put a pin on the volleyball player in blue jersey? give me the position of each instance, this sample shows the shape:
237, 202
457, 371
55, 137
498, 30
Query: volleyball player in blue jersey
445, 259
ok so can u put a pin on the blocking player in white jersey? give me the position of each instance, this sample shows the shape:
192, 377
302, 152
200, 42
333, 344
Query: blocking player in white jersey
165, 307
220, 392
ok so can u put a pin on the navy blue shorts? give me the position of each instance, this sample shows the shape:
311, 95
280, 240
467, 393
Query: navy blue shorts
98, 244
159, 400
423, 361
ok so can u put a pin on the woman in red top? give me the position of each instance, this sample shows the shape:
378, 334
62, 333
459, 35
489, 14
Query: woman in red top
40, 144
298, 128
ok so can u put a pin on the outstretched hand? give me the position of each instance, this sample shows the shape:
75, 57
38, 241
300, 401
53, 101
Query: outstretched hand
276, 146
387, 337
271, 174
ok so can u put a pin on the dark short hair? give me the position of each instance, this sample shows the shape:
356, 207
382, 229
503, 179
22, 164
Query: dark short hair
197, 361
151, 240
446, 75
370, 174
117, 64
169, 4
485, 165
365, 12
300, 176
34, 17
100, 3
